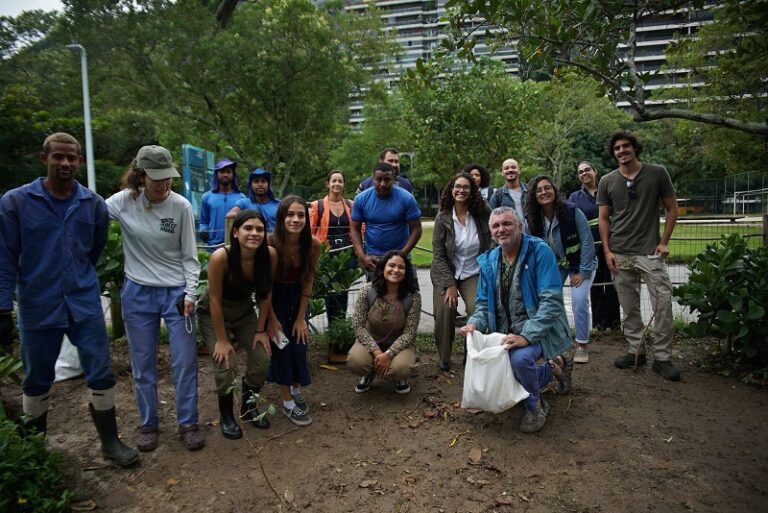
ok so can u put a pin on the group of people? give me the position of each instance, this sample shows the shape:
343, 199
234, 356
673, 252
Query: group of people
505, 252
605, 230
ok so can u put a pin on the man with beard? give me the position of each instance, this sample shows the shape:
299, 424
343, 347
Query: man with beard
391, 215
260, 197
215, 203
628, 199
512, 193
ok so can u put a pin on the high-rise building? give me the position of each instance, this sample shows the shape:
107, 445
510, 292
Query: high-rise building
417, 27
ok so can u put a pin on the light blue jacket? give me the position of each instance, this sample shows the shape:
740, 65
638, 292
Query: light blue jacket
542, 291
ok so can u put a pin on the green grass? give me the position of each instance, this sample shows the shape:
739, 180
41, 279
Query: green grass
681, 248
685, 243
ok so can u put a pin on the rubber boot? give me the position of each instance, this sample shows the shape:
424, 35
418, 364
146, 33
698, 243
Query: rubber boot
248, 411
33, 426
229, 427
111, 446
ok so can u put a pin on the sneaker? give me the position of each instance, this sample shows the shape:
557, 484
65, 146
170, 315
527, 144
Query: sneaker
147, 439
297, 416
301, 403
364, 384
402, 387
666, 370
628, 360
192, 437
581, 355
533, 421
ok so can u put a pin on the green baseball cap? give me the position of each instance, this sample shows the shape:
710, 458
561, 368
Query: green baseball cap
156, 161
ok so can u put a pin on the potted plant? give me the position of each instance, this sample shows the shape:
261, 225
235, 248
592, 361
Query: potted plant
340, 336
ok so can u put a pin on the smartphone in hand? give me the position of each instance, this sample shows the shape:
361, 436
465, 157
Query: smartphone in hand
180, 306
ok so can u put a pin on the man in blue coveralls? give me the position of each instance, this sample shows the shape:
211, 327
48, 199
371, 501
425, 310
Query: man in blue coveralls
52, 232
218, 201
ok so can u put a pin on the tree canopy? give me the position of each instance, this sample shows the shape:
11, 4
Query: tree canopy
600, 39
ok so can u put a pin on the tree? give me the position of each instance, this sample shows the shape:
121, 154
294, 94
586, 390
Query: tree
457, 116
572, 125
386, 125
599, 38
271, 90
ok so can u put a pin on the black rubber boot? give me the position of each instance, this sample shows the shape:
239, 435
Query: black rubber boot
111, 446
33, 426
229, 427
249, 411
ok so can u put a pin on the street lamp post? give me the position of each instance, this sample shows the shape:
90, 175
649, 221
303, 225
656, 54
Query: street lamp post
87, 116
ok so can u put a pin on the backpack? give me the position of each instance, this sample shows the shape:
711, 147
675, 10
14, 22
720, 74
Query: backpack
407, 300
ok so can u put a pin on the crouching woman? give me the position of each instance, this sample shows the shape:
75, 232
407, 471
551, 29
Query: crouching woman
227, 319
385, 320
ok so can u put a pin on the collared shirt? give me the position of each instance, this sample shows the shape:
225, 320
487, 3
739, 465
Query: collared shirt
51, 258
466, 247
511, 317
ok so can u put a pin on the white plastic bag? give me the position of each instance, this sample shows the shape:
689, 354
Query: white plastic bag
68, 364
489, 383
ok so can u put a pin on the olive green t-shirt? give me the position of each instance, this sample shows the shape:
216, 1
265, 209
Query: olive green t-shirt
635, 222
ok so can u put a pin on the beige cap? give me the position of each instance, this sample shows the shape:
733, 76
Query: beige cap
156, 161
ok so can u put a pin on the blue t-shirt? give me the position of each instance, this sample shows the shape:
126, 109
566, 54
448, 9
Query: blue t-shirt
386, 219
268, 210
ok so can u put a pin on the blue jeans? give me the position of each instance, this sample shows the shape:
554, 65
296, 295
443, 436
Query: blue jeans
533, 377
143, 307
40, 349
580, 306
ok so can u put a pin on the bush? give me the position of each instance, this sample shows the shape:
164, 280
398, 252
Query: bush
30, 477
340, 334
728, 287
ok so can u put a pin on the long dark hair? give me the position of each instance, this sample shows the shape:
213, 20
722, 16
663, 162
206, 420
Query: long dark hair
380, 284
476, 205
305, 237
534, 212
485, 177
262, 270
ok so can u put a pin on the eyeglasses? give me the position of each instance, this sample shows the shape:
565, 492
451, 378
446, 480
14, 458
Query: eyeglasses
544, 188
585, 170
458, 187
631, 191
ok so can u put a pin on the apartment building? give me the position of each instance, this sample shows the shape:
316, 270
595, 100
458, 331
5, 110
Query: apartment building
417, 27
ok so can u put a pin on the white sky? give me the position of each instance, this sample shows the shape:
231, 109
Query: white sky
15, 7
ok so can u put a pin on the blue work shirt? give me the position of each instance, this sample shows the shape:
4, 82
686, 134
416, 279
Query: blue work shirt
51, 259
268, 209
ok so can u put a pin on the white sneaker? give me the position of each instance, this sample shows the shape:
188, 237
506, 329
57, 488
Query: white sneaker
581, 355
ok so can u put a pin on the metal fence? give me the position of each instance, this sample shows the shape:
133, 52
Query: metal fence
691, 236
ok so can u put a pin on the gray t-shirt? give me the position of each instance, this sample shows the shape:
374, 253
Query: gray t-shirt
635, 222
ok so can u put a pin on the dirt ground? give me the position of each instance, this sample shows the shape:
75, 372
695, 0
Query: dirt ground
620, 441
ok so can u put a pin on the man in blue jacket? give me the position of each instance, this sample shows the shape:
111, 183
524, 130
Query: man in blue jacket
260, 197
52, 233
218, 201
520, 293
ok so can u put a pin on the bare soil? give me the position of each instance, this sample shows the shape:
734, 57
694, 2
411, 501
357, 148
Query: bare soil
620, 441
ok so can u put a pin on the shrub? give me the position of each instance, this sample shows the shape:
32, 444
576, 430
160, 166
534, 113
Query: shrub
340, 334
728, 287
30, 477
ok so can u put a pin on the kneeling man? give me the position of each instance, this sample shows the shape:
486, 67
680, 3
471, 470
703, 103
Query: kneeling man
520, 293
